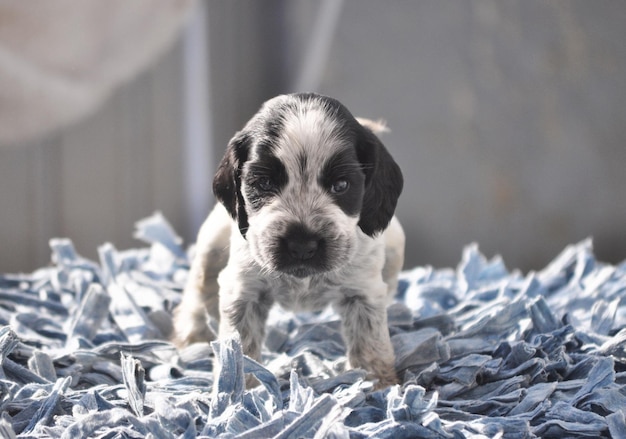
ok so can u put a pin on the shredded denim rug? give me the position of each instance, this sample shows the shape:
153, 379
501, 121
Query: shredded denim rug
481, 351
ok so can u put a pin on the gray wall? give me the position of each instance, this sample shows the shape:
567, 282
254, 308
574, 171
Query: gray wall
92, 181
506, 116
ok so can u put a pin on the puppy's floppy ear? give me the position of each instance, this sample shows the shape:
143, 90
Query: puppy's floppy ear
383, 182
227, 180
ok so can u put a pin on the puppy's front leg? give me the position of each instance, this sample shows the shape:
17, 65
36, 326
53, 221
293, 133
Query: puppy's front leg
364, 322
245, 309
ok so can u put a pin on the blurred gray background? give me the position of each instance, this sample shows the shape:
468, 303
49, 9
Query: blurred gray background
507, 118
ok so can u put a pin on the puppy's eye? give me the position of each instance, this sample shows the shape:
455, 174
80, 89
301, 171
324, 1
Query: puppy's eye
265, 184
339, 186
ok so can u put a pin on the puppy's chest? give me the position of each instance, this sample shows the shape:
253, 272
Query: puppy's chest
311, 294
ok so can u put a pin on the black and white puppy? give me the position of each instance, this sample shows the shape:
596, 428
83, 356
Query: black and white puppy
306, 219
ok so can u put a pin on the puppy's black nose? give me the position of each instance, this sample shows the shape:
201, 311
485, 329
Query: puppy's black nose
302, 249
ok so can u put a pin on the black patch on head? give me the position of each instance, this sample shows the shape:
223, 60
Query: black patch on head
344, 165
273, 127
265, 177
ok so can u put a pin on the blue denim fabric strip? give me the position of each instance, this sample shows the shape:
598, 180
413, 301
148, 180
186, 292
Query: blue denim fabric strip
481, 352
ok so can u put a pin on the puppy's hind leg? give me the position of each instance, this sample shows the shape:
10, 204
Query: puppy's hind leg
201, 294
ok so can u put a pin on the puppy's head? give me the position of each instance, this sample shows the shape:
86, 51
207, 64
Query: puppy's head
303, 179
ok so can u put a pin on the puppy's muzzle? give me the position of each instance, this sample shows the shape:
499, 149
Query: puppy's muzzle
301, 252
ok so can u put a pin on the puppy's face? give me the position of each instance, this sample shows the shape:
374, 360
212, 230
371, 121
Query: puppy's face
304, 193
303, 179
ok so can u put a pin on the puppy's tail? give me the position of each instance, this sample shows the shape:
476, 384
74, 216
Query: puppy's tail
201, 295
376, 126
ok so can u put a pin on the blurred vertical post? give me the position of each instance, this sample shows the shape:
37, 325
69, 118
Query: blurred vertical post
316, 53
197, 163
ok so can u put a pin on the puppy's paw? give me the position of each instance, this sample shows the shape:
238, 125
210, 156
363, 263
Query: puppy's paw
385, 379
381, 370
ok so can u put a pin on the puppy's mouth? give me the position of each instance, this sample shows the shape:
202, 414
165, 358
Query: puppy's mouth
301, 271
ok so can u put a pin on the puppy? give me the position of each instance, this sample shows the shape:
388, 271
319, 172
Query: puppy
306, 219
